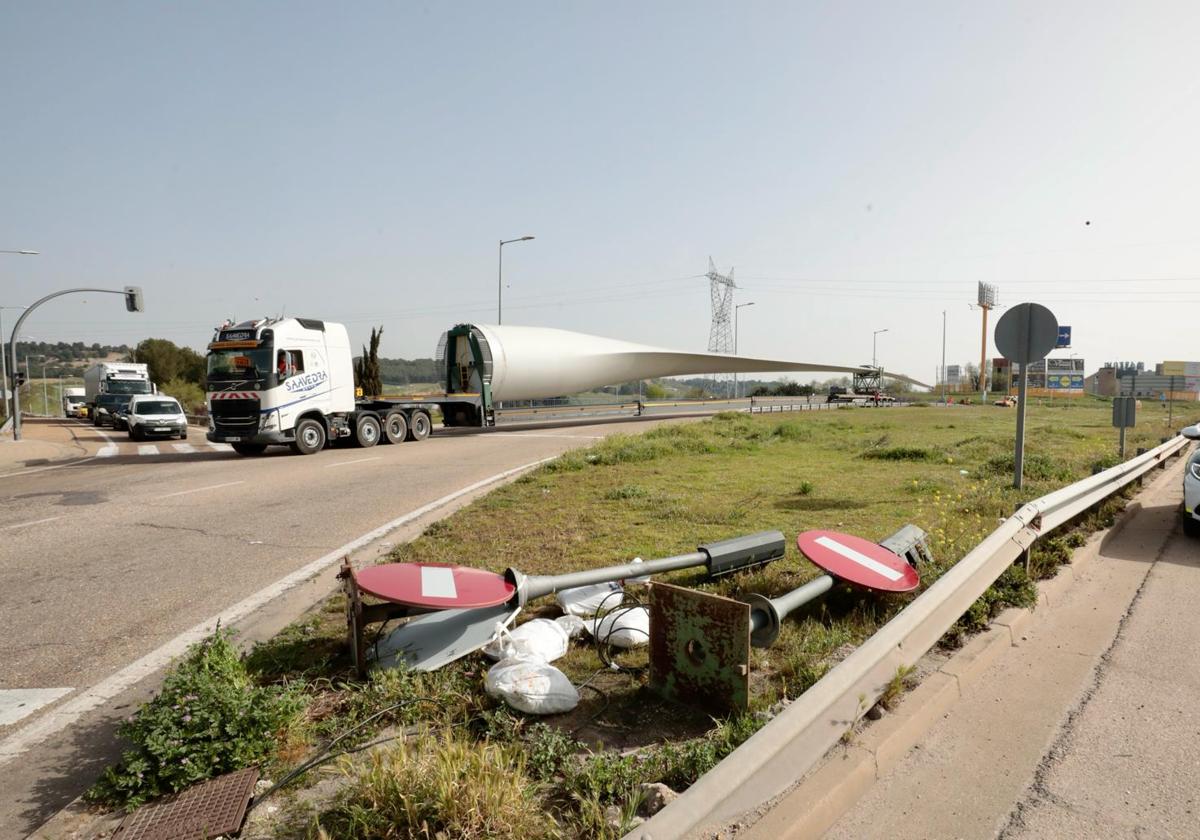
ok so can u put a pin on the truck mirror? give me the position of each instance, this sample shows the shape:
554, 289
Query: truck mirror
1191, 432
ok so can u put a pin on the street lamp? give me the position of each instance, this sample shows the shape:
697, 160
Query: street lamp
500, 274
735, 336
874, 335
3, 365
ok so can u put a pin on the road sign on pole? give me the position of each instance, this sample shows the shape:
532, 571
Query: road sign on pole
1025, 334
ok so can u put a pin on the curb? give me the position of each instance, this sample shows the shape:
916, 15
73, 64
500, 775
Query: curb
820, 799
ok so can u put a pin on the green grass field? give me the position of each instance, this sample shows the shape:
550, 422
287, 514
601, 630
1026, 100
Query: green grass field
863, 471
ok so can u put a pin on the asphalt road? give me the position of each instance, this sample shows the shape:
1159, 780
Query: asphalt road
108, 558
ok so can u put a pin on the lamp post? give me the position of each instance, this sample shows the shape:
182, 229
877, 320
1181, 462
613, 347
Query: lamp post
500, 275
735, 337
943, 357
874, 335
3, 364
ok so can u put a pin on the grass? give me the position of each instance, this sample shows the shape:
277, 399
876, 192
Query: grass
862, 471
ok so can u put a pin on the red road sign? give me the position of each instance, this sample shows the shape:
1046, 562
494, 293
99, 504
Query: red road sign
858, 561
438, 586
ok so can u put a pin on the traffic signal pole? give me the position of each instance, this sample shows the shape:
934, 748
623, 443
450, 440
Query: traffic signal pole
133, 303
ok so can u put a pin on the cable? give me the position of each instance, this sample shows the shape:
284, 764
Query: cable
603, 645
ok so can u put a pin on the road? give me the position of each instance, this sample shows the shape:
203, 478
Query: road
112, 556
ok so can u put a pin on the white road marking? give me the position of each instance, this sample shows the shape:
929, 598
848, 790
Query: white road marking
199, 489
16, 703
183, 447
62, 717
220, 447
438, 582
27, 524
108, 451
357, 461
147, 449
859, 558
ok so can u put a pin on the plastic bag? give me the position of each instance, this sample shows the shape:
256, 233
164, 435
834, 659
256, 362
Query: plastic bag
586, 601
624, 627
532, 686
540, 638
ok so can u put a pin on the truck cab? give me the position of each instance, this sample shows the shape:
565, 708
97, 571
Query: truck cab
279, 381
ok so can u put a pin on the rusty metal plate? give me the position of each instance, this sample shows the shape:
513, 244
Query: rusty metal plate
206, 810
699, 648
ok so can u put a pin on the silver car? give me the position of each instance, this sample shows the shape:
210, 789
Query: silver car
1191, 487
152, 414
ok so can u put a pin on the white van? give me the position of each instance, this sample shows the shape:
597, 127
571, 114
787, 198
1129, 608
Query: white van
153, 414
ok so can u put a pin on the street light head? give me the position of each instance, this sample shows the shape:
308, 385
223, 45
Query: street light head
525, 238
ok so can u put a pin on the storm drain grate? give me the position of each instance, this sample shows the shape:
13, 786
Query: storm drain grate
206, 810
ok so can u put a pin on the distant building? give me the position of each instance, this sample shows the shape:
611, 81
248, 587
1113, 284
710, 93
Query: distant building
1170, 380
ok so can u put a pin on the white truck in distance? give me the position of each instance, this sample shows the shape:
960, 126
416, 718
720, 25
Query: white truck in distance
72, 399
116, 378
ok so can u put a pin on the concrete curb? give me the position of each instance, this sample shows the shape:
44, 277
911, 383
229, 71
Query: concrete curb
845, 774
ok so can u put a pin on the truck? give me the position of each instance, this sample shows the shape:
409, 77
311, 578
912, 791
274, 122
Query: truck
290, 381
72, 400
115, 378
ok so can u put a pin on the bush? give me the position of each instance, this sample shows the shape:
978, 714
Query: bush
1036, 467
901, 453
440, 788
189, 394
210, 718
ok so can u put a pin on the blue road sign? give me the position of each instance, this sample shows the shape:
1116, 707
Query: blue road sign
1064, 336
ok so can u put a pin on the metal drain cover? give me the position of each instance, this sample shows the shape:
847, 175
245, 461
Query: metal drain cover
206, 810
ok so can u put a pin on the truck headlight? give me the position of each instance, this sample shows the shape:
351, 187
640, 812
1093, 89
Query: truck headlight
1195, 468
268, 421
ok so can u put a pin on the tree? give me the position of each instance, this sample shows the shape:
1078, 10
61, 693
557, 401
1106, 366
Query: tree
168, 361
366, 369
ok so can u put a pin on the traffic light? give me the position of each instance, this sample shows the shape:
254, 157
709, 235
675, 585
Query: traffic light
18, 379
133, 299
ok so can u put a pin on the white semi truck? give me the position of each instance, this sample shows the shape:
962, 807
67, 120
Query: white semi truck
290, 381
116, 379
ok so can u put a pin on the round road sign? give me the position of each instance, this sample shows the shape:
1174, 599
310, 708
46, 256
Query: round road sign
1026, 333
858, 561
437, 586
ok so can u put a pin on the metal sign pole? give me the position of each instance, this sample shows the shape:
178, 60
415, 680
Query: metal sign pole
1122, 443
1019, 456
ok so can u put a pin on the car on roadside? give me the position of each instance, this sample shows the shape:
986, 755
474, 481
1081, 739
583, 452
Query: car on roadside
107, 407
154, 415
1190, 515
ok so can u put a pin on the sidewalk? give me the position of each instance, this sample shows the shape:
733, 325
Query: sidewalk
1087, 726
43, 443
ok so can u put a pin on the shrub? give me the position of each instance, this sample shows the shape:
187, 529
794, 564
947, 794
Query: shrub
1037, 467
793, 430
901, 453
189, 394
447, 787
210, 718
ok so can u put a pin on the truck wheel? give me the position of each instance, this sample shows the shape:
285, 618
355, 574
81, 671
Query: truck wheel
134, 434
1190, 526
367, 431
96, 420
310, 437
420, 426
395, 426
249, 448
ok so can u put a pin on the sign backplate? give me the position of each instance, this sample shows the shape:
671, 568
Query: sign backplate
1026, 333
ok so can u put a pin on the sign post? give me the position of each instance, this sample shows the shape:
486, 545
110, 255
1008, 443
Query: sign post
1124, 416
1026, 333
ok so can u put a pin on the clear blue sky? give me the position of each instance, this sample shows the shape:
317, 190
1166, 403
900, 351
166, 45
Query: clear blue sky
862, 165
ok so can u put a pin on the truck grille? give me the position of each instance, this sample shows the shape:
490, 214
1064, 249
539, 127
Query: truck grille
234, 416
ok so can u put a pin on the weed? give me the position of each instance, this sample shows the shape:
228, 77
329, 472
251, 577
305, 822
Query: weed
901, 453
440, 787
210, 718
625, 491
549, 751
793, 430
805, 488
903, 680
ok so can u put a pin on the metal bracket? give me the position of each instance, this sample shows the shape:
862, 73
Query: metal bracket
360, 615
699, 648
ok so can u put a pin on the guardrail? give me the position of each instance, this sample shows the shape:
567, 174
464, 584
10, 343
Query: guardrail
791, 744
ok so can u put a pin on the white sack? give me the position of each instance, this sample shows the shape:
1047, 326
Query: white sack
540, 638
586, 601
625, 627
572, 624
531, 686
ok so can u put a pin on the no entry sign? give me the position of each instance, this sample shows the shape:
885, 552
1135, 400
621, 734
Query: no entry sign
436, 586
858, 561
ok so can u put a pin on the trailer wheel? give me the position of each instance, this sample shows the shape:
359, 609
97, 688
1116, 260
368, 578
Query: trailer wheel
420, 426
310, 437
249, 448
395, 427
367, 431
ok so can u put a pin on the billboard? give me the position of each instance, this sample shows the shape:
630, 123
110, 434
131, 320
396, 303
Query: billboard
953, 374
1064, 381
1181, 368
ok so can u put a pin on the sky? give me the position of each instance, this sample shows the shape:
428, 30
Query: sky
860, 166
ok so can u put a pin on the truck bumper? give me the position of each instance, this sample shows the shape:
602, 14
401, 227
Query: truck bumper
268, 438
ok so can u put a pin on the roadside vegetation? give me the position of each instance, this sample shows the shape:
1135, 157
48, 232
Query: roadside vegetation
430, 754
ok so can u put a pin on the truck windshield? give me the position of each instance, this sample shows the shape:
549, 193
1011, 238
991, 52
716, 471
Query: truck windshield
228, 365
128, 386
